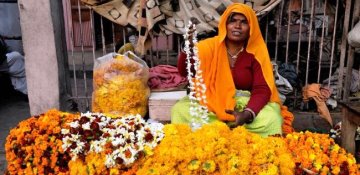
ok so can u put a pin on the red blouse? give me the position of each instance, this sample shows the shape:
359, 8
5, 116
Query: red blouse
247, 75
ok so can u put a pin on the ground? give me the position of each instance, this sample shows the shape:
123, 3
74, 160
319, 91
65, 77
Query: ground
14, 108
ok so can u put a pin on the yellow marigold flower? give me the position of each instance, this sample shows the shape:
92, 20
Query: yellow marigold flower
269, 169
114, 171
335, 170
209, 166
335, 148
148, 151
317, 166
324, 170
312, 157
351, 160
194, 165
153, 171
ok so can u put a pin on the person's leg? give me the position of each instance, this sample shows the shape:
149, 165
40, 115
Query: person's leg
16, 70
267, 122
180, 112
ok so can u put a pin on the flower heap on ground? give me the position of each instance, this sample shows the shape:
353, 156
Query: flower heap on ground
197, 95
99, 144
119, 88
35, 146
215, 149
319, 154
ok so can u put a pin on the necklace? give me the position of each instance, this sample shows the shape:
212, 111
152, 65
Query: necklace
234, 57
236, 54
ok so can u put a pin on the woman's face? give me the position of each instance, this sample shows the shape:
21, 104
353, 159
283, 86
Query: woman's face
237, 28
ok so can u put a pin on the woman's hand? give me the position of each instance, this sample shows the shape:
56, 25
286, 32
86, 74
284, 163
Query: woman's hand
240, 117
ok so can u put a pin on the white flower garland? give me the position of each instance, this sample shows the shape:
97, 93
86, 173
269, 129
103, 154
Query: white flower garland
197, 95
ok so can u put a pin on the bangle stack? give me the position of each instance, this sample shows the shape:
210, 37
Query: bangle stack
253, 115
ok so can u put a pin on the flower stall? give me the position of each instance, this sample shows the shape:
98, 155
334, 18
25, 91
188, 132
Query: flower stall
122, 142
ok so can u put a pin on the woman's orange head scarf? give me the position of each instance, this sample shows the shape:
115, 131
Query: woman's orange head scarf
215, 65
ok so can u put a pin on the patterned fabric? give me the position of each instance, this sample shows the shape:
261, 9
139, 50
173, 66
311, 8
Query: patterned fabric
152, 17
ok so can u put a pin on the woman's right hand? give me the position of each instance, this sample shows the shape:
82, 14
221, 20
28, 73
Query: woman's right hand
240, 117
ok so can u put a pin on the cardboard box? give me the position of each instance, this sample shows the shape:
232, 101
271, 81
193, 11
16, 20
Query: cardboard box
160, 104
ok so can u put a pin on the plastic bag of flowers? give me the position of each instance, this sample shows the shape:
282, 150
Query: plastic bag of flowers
35, 145
120, 84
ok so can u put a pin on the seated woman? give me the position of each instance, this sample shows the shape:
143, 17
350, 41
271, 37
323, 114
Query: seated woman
238, 76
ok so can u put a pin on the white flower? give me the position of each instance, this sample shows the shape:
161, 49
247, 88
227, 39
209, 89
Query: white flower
74, 124
66, 142
118, 141
75, 137
74, 157
130, 160
65, 131
86, 126
87, 114
77, 150
96, 146
109, 161
80, 144
123, 134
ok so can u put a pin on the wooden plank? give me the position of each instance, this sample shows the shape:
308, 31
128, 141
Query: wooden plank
343, 47
350, 51
348, 130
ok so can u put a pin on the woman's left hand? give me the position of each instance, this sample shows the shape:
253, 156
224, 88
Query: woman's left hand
240, 117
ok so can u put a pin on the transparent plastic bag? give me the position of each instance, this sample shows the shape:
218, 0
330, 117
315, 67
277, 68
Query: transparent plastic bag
120, 84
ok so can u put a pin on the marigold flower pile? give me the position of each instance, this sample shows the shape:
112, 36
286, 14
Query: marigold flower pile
99, 144
120, 87
34, 146
93, 143
319, 154
215, 149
